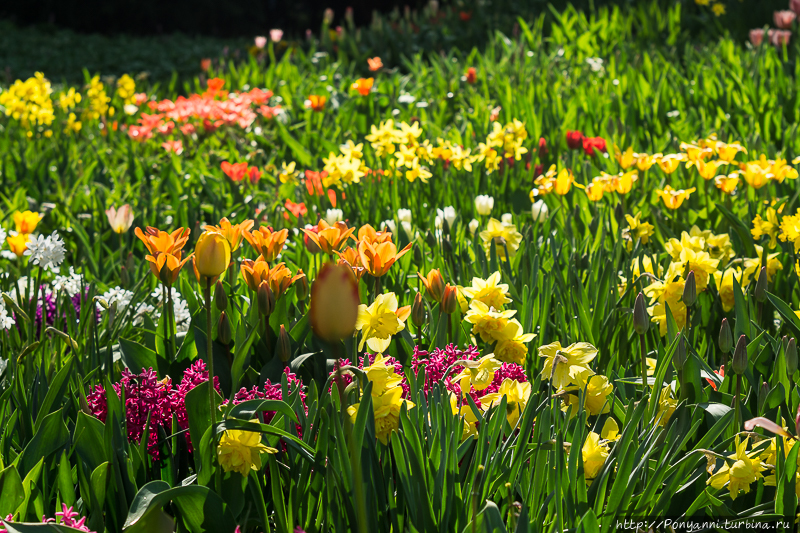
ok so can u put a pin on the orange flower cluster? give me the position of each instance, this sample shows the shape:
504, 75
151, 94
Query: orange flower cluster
238, 171
165, 252
374, 251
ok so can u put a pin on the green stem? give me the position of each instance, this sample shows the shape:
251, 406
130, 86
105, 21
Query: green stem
211, 391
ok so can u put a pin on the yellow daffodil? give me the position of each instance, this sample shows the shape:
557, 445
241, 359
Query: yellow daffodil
503, 236
516, 395
380, 321
386, 408
240, 451
790, 230
489, 291
478, 374
594, 454
636, 230
767, 227
565, 366
487, 321
597, 390
745, 470
666, 406
512, 343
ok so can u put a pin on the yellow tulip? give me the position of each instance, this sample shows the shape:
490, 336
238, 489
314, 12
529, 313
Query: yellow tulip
212, 255
26, 221
18, 243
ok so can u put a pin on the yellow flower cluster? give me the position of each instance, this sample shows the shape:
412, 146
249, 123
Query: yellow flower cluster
347, 167
98, 101
387, 398
492, 323
126, 89
29, 103
504, 236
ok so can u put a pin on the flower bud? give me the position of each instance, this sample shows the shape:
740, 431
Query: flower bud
761, 286
220, 298
212, 254
283, 347
125, 277
418, 313
790, 355
797, 422
689, 290
679, 359
763, 392
224, 334
740, 356
641, 320
266, 299
311, 246
434, 284
334, 303
725, 337
301, 286
449, 299
447, 246
445, 227
430, 240
417, 255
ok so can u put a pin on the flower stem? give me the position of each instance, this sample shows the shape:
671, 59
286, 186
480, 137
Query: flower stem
643, 350
211, 399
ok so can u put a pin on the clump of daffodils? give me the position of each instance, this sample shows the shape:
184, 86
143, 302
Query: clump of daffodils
29, 103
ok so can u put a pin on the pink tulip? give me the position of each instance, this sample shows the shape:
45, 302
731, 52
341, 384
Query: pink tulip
756, 36
261, 42
784, 19
779, 37
794, 5
276, 35
120, 219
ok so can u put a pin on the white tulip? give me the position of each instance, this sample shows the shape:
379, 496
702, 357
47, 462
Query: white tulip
539, 211
506, 218
473, 226
332, 216
484, 204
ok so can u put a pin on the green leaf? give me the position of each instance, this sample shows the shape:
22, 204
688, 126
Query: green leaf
12, 494
199, 509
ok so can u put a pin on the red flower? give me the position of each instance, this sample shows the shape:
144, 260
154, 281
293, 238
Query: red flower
235, 171
542, 147
205, 64
538, 170
592, 143
721, 374
297, 210
574, 139
214, 86
254, 174
472, 75
465, 15
314, 182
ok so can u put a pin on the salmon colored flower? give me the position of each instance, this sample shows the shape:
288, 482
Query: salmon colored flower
316, 102
233, 232
363, 86
253, 174
334, 303
266, 241
235, 171
350, 258
330, 238
120, 219
297, 210
205, 64
374, 63
378, 258
175, 147
279, 277
26, 221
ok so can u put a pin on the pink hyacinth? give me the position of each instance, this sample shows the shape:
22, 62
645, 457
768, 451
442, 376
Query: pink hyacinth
784, 18
66, 517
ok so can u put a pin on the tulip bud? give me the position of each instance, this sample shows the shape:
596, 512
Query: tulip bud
763, 392
449, 299
761, 286
125, 278
266, 299
212, 255
220, 298
311, 246
418, 313
447, 246
445, 227
740, 356
430, 240
417, 255
689, 290
283, 347
641, 320
224, 334
725, 337
434, 284
619, 212
334, 303
797, 422
130, 263
790, 355
679, 359
301, 286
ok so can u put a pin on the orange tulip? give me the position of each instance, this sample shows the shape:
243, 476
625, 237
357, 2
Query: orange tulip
18, 243
434, 284
329, 238
232, 232
278, 277
316, 102
350, 258
334, 303
158, 241
378, 258
374, 63
26, 221
267, 242
368, 233
165, 252
363, 85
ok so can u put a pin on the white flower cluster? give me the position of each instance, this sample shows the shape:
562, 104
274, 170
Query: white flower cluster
123, 298
47, 252
70, 284
5, 319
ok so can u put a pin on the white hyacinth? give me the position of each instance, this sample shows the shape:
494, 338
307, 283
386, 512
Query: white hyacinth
47, 252
70, 284
5, 319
